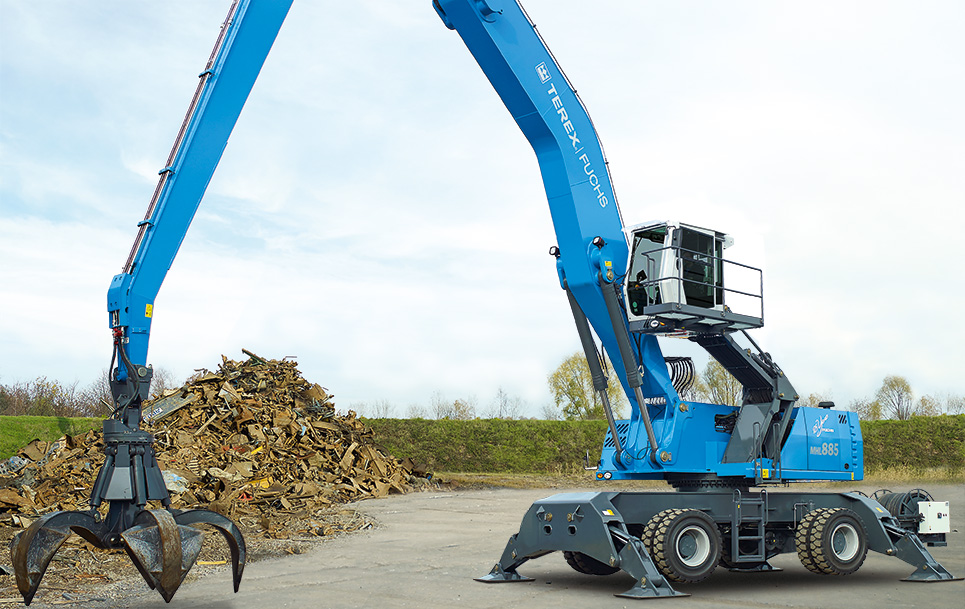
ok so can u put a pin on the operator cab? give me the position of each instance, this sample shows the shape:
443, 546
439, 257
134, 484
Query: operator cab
675, 282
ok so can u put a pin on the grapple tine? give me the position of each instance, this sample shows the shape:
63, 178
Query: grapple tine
161, 550
32, 549
231, 533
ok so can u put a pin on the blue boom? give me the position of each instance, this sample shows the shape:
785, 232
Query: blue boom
592, 250
665, 437
165, 543
225, 83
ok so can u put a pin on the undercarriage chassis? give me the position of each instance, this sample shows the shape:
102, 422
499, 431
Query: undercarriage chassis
663, 537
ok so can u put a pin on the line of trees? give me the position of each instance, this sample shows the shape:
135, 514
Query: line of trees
896, 400
570, 385
574, 396
502, 406
44, 397
48, 398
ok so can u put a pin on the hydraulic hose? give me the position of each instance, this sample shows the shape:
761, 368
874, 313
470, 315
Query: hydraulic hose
132, 381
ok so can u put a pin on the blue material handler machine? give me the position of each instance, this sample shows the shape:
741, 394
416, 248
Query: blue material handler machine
628, 287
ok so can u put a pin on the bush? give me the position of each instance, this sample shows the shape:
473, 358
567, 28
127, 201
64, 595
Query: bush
492, 445
45, 398
917, 443
481, 446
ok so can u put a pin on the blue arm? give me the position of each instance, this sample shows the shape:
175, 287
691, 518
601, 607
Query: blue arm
665, 438
239, 53
586, 218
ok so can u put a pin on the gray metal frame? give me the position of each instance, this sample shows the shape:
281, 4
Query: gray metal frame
606, 526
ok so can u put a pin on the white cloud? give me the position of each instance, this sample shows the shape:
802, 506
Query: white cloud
378, 213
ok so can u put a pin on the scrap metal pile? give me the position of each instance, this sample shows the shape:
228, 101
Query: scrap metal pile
254, 440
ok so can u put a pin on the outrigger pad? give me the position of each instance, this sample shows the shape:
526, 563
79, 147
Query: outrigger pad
643, 591
498, 576
650, 583
929, 576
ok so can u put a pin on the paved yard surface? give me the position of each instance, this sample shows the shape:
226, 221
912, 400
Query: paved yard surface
429, 546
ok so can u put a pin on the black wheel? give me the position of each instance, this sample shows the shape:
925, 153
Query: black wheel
831, 541
650, 529
686, 546
587, 564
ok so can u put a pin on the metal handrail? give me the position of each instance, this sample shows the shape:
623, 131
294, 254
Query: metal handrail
705, 260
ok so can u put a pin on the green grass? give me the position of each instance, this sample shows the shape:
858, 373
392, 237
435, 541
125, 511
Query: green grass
17, 432
492, 445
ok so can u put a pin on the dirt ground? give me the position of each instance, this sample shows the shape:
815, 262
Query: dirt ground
424, 548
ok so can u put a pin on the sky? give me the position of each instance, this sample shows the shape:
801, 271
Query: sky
378, 215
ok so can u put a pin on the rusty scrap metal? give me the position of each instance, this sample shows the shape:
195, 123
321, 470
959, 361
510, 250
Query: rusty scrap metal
248, 439
253, 441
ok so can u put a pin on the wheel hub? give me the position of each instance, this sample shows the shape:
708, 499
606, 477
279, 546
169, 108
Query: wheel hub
693, 546
844, 542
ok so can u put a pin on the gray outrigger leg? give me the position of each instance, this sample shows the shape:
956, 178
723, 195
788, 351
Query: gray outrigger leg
891, 539
587, 523
911, 550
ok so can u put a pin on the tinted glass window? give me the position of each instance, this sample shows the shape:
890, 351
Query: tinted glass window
645, 268
646, 260
698, 262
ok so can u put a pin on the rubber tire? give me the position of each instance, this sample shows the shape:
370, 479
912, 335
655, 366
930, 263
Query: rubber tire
650, 529
587, 564
681, 525
820, 531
